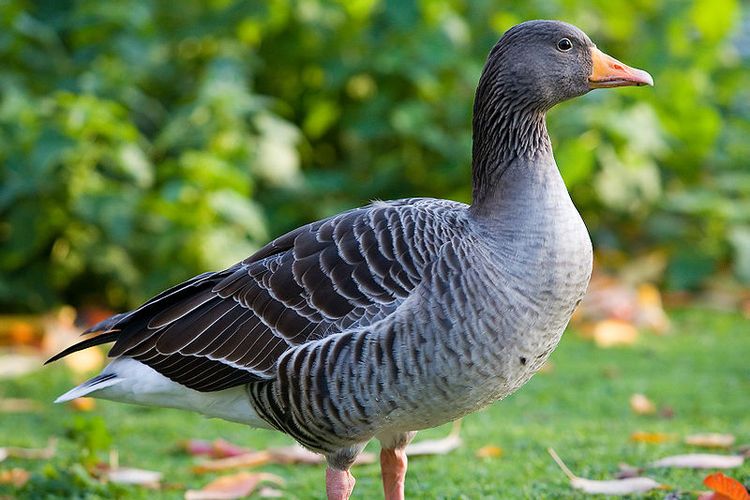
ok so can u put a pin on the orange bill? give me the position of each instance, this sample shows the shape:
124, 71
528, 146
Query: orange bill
609, 72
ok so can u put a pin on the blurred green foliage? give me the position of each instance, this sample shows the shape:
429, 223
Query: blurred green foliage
144, 141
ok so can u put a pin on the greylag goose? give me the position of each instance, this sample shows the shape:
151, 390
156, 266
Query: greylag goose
397, 316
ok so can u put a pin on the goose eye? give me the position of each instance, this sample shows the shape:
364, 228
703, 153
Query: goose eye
564, 45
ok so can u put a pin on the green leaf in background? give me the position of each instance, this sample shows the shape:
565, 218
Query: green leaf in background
141, 144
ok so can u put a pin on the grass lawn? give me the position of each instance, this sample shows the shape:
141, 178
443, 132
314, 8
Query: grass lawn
580, 408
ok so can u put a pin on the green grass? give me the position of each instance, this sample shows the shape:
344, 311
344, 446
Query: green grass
580, 408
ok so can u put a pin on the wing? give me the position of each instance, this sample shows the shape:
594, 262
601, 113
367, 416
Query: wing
227, 328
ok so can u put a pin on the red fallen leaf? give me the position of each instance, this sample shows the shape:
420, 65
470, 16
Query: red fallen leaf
196, 447
726, 488
223, 449
230, 487
626, 486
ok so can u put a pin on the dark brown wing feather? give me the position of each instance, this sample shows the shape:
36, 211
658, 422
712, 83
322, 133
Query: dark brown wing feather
228, 328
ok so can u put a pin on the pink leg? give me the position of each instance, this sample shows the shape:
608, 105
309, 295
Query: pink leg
339, 484
393, 469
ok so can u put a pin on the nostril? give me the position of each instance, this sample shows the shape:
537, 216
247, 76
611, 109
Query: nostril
618, 67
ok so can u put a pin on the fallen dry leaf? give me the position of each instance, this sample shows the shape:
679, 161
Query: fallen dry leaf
626, 486
700, 461
627, 471
284, 455
234, 486
726, 488
650, 437
489, 451
253, 459
641, 405
16, 405
437, 446
16, 477
140, 477
217, 449
83, 404
30, 453
710, 440
614, 332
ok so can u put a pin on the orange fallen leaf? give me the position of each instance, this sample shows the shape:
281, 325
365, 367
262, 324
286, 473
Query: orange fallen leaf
710, 440
650, 437
83, 404
234, 486
613, 332
626, 486
641, 405
700, 461
16, 477
725, 487
489, 451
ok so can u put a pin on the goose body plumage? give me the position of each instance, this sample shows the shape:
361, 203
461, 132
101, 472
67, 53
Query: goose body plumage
386, 319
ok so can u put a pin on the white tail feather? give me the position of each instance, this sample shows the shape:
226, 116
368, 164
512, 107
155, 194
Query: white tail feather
91, 385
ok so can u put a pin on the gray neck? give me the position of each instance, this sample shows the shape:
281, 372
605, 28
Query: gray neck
509, 132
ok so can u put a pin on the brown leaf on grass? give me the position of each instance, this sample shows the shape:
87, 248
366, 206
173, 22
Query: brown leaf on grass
16, 477
252, 459
140, 477
641, 405
700, 461
726, 488
627, 471
489, 451
217, 449
626, 486
16, 405
284, 455
234, 486
437, 446
614, 332
710, 440
650, 437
